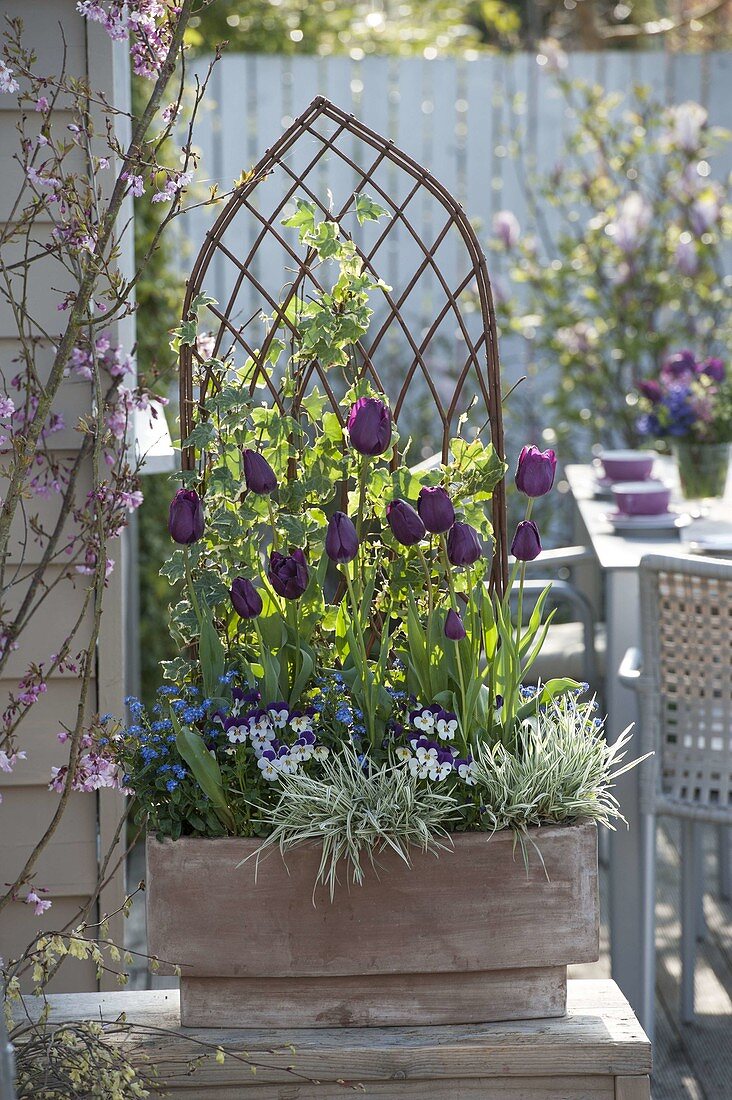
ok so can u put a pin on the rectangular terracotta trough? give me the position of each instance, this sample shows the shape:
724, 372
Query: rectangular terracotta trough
466, 937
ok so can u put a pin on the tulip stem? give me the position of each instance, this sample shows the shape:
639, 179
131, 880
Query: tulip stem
275, 540
520, 608
189, 582
428, 577
463, 717
358, 638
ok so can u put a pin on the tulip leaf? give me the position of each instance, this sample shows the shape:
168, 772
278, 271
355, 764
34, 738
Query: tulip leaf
211, 653
205, 770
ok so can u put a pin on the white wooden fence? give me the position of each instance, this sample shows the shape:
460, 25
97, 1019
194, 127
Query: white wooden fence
464, 119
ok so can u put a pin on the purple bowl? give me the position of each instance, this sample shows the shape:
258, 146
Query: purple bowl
641, 498
627, 465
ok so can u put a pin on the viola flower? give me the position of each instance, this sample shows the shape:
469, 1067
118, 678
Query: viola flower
424, 719
713, 368
406, 525
185, 517
402, 753
454, 628
279, 714
535, 471
650, 389
237, 730
369, 426
259, 476
526, 543
466, 771
267, 764
320, 752
301, 723
341, 539
288, 574
446, 725
245, 599
463, 544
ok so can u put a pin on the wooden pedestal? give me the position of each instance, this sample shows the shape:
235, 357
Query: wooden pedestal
596, 1052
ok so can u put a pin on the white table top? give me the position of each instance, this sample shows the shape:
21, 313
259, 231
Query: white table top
615, 551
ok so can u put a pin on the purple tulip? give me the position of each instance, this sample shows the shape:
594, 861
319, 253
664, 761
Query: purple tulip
435, 509
651, 389
185, 518
258, 474
406, 525
369, 426
288, 573
245, 598
526, 543
679, 367
713, 368
454, 629
341, 539
463, 544
535, 471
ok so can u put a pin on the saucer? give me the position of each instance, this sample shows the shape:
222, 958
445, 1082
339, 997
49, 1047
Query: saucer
637, 525
715, 546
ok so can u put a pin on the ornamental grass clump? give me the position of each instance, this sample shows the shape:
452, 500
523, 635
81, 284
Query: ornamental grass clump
351, 669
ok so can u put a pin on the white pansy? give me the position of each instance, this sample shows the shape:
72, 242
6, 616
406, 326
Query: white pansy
279, 718
446, 728
237, 734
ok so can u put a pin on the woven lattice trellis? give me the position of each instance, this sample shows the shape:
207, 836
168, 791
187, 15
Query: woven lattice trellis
442, 356
687, 702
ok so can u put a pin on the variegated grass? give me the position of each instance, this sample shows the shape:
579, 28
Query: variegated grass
357, 814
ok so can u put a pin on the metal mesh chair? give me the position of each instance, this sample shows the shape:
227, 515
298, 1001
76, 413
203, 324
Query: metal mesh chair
684, 682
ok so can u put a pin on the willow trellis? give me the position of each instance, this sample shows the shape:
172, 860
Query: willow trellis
451, 360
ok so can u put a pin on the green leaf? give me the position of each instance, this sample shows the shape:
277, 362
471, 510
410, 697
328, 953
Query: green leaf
367, 210
205, 770
211, 653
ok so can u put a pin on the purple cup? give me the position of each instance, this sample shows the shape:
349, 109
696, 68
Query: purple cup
641, 498
627, 465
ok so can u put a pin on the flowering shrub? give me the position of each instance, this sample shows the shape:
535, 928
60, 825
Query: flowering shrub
626, 261
690, 399
338, 602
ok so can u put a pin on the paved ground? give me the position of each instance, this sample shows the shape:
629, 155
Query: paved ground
692, 1062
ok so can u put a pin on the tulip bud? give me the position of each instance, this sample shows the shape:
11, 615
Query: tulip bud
185, 518
463, 544
435, 509
454, 629
258, 474
245, 598
651, 389
288, 573
341, 540
369, 426
526, 543
406, 526
535, 471
714, 369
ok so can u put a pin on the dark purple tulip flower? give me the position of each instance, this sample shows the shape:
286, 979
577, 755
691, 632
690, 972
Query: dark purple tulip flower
526, 543
406, 526
454, 629
651, 389
463, 544
535, 471
258, 474
341, 540
369, 426
245, 598
185, 518
288, 573
679, 367
435, 509
714, 368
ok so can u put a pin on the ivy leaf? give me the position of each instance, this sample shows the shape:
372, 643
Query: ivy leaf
201, 436
303, 219
367, 210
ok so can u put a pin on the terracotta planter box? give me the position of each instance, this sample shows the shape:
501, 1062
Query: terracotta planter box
466, 937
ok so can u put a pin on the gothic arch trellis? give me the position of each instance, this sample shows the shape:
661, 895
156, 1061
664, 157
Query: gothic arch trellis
448, 353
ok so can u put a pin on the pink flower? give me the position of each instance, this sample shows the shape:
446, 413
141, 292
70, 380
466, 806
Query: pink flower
137, 184
7, 407
7, 763
506, 228
39, 904
8, 83
42, 103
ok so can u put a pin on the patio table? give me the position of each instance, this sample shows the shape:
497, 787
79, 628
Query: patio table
618, 557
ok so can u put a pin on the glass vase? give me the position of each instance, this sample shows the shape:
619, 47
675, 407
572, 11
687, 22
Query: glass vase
703, 469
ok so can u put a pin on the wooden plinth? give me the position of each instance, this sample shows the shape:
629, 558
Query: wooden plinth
598, 1051
379, 1000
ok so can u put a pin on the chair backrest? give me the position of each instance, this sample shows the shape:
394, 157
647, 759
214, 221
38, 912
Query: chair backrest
686, 691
